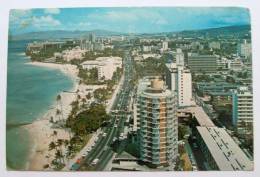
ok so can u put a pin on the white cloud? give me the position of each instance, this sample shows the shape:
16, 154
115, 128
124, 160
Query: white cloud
18, 14
84, 24
44, 21
130, 15
52, 11
24, 19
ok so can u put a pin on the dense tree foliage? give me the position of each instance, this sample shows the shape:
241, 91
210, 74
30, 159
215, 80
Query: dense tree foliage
89, 76
101, 94
89, 120
92, 55
150, 67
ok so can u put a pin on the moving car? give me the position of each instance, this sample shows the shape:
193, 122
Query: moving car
95, 161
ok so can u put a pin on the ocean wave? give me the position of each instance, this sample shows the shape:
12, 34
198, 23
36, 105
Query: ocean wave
21, 54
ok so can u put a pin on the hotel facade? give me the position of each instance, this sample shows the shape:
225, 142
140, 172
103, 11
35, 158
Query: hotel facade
157, 124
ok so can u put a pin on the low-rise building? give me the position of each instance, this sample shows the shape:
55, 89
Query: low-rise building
220, 150
235, 65
75, 53
214, 45
99, 46
106, 66
206, 88
147, 48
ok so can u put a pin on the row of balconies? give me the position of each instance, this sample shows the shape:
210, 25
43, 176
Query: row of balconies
168, 121
145, 102
156, 117
167, 134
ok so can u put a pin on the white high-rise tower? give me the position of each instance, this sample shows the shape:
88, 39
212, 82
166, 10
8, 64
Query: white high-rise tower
178, 79
179, 57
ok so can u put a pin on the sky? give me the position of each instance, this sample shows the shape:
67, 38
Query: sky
127, 20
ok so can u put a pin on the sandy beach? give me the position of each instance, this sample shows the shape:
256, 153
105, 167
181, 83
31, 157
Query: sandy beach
41, 130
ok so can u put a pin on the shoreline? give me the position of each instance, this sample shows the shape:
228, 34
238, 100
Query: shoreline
67, 69
41, 130
40, 154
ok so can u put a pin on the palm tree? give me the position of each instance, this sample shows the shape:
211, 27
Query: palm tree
84, 101
60, 143
58, 99
51, 119
52, 146
88, 96
55, 133
66, 142
69, 150
58, 112
59, 156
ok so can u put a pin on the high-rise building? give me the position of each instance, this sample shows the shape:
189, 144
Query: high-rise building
92, 37
244, 49
179, 57
242, 111
178, 79
165, 45
157, 123
202, 63
86, 45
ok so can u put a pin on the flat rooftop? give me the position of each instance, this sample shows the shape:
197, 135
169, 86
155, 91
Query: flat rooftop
226, 153
200, 115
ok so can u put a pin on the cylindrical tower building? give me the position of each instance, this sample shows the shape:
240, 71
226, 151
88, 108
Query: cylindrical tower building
157, 124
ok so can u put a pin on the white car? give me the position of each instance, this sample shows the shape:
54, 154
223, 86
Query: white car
114, 139
95, 161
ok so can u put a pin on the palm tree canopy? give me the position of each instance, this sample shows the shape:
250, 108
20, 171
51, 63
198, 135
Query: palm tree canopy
58, 98
52, 146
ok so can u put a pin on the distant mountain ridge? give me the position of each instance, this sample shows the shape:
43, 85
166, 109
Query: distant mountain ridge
58, 34
236, 30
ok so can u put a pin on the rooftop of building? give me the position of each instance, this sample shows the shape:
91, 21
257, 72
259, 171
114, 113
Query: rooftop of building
153, 87
226, 153
202, 118
172, 67
214, 84
196, 55
102, 60
108, 58
220, 93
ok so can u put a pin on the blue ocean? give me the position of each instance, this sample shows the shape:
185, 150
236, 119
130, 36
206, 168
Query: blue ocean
31, 91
